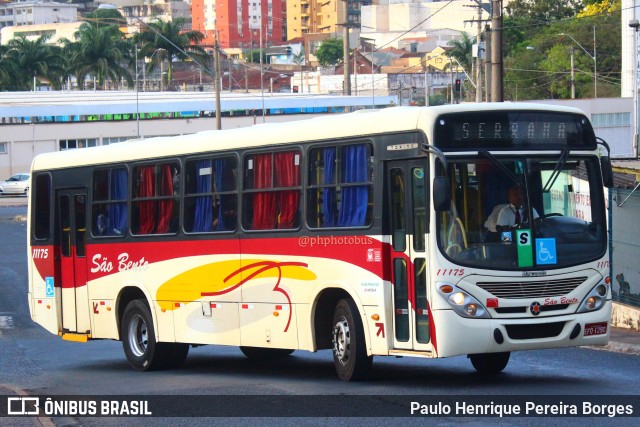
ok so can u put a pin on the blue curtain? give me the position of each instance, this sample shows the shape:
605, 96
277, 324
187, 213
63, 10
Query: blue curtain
203, 214
328, 194
354, 199
117, 212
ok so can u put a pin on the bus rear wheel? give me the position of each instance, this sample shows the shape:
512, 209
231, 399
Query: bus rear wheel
261, 353
490, 363
139, 343
349, 348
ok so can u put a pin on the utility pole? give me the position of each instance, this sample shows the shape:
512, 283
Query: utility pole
479, 56
573, 79
347, 74
496, 51
216, 65
487, 63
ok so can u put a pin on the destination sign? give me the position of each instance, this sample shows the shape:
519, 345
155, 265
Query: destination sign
513, 130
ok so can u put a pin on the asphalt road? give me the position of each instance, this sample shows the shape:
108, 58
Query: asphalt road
37, 363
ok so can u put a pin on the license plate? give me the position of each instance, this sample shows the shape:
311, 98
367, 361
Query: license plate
595, 329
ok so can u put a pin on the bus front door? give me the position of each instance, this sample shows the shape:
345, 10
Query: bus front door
71, 230
407, 204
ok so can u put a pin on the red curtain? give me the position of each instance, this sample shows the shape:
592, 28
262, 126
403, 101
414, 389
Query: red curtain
146, 208
264, 203
166, 205
288, 175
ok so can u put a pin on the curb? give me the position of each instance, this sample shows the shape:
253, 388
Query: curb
43, 420
619, 347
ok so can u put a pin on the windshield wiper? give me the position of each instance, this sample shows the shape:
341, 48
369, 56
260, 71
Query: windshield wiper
556, 171
500, 165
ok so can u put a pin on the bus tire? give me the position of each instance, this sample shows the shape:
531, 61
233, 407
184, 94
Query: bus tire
139, 343
349, 347
261, 353
490, 363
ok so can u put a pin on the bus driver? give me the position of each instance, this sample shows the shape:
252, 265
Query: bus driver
513, 213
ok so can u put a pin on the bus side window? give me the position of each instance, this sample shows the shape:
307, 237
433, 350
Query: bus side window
272, 191
339, 193
109, 202
42, 211
211, 199
155, 200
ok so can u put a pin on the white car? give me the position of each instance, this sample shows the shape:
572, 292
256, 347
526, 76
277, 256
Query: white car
17, 184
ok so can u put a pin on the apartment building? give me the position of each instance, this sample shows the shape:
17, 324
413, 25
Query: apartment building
322, 16
238, 22
36, 12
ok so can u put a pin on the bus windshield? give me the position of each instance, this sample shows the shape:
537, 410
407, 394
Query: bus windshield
524, 212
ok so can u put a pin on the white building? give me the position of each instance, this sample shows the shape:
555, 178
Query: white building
390, 21
37, 12
139, 12
60, 31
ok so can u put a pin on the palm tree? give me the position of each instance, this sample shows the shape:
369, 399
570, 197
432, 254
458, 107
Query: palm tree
461, 50
299, 59
101, 52
166, 41
8, 71
36, 60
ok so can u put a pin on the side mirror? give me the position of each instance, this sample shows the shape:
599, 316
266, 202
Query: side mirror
441, 194
607, 171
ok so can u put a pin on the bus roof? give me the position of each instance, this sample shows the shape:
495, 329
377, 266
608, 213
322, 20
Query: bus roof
351, 125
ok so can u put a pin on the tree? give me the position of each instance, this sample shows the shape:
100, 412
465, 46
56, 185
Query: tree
100, 51
537, 57
106, 16
254, 56
544, 10
35, 60
461, 50
167, 41
330, 52
8, 70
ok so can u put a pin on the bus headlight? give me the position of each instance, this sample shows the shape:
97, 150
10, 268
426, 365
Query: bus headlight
594, 299
462, 303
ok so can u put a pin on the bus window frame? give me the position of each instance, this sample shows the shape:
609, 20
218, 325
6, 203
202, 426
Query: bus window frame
373, 172
212, 155
92, 202
171, 160
33, 194
243, 191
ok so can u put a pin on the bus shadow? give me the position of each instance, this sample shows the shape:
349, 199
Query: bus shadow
414, 374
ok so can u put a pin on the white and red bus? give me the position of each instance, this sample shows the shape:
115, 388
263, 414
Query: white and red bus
363, 233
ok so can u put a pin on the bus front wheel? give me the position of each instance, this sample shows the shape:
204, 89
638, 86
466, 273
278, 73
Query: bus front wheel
139, 342
349, 348
490, 363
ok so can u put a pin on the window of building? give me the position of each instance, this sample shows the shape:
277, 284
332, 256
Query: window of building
4, 147
340, 190
109, 202
155, 203
114, 139
611, 119
69, 144
272, 190
211, 199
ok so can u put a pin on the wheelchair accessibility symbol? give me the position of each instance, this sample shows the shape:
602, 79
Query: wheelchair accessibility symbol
48, 287
546, 251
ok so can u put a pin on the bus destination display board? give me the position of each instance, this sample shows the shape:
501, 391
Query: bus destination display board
513, 130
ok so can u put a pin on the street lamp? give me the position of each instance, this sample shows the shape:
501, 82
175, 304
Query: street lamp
594, 57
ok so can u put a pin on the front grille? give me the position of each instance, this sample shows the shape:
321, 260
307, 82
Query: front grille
522, 309
531, 332
538, 289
